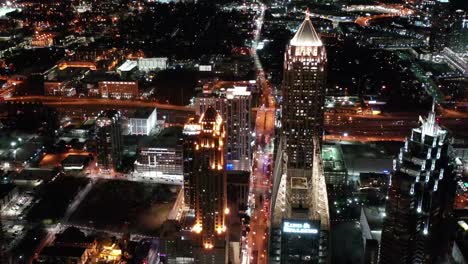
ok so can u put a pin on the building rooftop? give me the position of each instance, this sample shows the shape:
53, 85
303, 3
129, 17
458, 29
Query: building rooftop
360, 158
75, 159
168, 138
33, 174
128, 66
306, 36
54, 251
143, 112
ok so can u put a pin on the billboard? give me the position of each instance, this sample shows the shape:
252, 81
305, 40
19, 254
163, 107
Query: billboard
299, 228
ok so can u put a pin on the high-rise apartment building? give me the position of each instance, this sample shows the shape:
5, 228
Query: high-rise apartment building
109, 140
418, 222
234, 105
208, 184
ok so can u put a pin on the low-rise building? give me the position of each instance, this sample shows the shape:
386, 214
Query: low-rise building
151, 64
142, 121
127, 68
42, 40
75, 162
59, 88
58, 254
118, 89
160, 158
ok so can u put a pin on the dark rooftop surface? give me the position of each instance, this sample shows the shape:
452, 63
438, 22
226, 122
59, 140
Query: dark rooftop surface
75, 159
99, 76
54, 251
167, 138
35, 174
5, 189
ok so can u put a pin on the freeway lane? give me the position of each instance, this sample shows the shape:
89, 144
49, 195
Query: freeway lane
386, 127
84, 101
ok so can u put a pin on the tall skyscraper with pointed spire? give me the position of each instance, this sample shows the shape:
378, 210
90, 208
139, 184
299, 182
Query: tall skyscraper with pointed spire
299, 196
418, 221
303, 94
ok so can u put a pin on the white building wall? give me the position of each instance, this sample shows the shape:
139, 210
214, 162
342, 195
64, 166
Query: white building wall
151, 64
143, 126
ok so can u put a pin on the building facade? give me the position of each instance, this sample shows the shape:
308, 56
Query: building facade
300, 241
160, 158
422, 188
303, 95
209, 184
118, 89
160, 164
234, 105
191, 130
299, 188
109, 143
143, 121
151, 64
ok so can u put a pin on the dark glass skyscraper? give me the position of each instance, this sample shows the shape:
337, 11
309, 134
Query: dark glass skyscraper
418, 219
190, 133
109, 140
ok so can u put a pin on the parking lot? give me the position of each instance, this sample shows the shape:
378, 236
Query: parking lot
17, 207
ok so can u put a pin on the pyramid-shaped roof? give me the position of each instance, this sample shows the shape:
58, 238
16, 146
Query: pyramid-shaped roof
306, 36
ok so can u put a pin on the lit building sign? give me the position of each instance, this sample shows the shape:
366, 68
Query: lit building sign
300, 228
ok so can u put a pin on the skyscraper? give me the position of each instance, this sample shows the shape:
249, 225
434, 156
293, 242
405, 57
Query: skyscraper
191, 130
109, 140
208, 183
420, 199
234, 105
303, 95
299, 190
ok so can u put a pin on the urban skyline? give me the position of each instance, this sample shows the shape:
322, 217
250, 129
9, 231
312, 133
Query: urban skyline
233, 132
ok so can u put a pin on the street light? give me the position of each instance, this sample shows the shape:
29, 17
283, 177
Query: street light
13, 143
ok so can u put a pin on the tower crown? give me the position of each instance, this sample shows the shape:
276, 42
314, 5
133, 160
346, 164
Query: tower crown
306, 36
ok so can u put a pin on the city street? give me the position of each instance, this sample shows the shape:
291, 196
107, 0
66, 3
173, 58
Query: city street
260, 181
